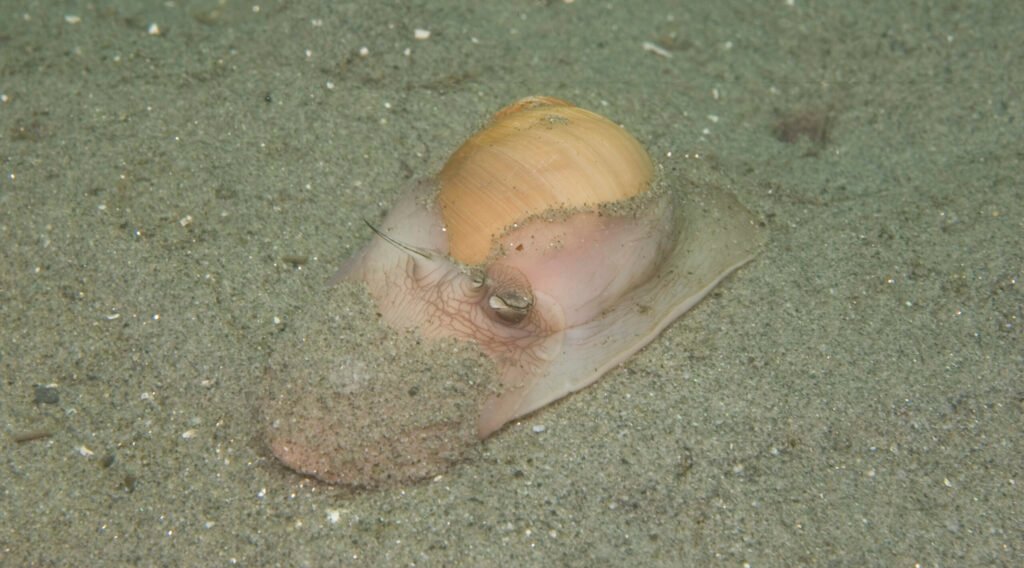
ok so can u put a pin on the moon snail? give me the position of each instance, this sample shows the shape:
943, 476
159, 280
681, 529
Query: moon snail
548, 250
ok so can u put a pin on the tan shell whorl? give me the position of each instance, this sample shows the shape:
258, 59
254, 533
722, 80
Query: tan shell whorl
536, 154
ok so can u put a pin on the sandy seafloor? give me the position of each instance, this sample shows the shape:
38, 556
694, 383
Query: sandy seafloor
179, 181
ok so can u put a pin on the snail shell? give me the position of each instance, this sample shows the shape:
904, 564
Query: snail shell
537, 154
546, 252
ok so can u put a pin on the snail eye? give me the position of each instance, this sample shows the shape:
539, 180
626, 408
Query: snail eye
510, 306
509, 296
477, 280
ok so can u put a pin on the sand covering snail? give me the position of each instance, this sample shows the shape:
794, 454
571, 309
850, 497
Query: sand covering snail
547, 251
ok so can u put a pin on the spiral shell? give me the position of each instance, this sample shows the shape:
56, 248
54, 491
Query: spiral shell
537, 154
